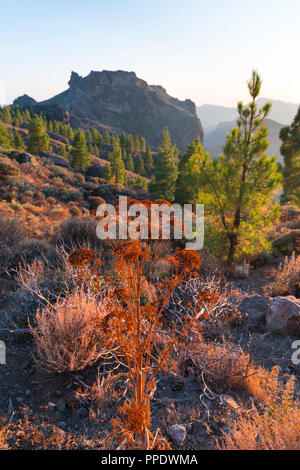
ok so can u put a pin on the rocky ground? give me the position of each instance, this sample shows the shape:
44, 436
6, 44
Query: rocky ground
67, 411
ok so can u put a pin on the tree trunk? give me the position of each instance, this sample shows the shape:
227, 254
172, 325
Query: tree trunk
232, 248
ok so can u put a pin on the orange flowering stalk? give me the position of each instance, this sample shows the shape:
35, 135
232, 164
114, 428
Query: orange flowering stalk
135, 324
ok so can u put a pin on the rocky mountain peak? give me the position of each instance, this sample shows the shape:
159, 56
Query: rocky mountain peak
120, 101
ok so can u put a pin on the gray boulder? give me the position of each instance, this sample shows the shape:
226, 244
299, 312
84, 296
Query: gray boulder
177, 432
23, 157
95, 170
283, 313
255, 307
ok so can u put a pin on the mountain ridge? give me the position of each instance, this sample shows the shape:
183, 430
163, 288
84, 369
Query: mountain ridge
119, 101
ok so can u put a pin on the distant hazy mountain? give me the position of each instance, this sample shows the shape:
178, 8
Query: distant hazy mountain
211, 115
215, 139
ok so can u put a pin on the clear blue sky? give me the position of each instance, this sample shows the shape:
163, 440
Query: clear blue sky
198, 49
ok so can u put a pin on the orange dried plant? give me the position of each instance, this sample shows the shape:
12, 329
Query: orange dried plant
133, 328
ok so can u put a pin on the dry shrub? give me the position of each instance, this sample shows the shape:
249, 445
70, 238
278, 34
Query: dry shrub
12, 231
34, 435
226, 366
287, 277
68, 335
77, 232
275, 428
4, 436
28, 251
211, 265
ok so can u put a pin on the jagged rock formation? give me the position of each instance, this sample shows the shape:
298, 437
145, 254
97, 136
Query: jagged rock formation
24, 101
120, 101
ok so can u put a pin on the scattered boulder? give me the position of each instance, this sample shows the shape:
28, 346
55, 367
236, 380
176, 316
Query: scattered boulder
177, 432
24, 157
95, 170
255, 307
199, 432
283, 313
229, 401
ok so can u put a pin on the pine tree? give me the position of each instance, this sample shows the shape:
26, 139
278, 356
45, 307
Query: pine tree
70, 133
80, 155
148, 161
163, 184
4, 137
188, 184
38, 139
88, 137
240, 185
129, 165
139, 166
27, 115
129, 144
117, 164
6, 115
141, 182
290, 149
17, 141
96, 150
107, 139
143, 144
123, 141
97, 137
107, 173
115, 140
63, 151
136, 143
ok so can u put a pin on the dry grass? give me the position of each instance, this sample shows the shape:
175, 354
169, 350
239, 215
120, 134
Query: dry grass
68, 335
287, 277
4, 435
275, 428
226, 366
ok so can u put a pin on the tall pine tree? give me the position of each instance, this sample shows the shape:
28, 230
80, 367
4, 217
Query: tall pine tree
188, 184
38, 138
163, 184
242, 183
117, 164
79, 152
17, 141
129, 165
139, 166
148, 161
